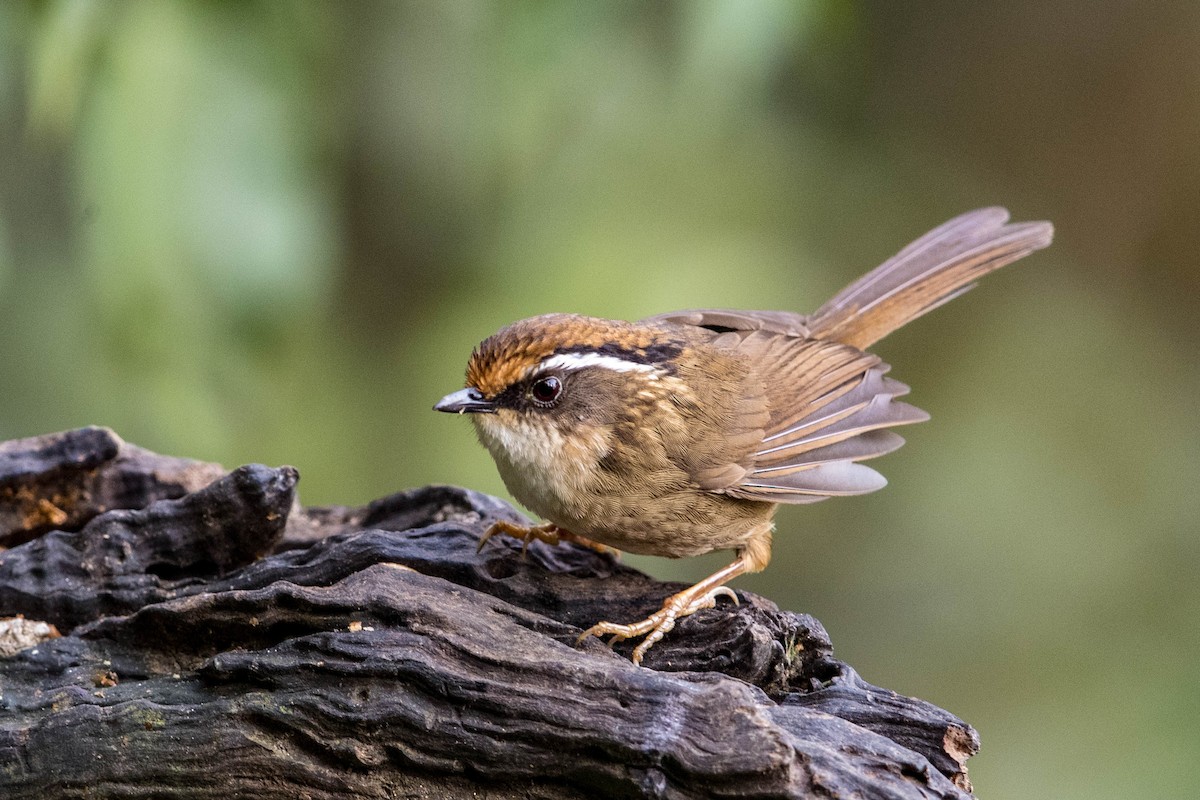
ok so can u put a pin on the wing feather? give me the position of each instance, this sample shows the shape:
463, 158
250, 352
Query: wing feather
826, 480
812, 402
860, 447
881, 412
829, 404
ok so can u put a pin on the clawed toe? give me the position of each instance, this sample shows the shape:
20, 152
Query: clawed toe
658, 624
710, 600
621, 632
488, 534
526, 533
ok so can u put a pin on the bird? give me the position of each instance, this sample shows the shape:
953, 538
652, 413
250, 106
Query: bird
682, 433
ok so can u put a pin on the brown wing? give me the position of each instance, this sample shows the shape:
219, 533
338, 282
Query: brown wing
804, 413
830, 406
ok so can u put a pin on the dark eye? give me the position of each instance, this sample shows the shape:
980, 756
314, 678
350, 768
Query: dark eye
546, 390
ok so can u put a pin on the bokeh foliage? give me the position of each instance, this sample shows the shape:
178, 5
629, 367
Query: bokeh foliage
273, 231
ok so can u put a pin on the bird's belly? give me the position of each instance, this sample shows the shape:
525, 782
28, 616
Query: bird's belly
663, 515
675, 525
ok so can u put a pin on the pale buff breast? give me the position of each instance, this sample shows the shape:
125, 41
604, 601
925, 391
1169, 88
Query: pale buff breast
547, 473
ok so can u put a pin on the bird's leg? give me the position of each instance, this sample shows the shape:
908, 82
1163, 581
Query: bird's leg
702, 595
753, 557
547, 532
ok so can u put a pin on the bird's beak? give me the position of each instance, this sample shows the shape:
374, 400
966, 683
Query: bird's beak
465, 401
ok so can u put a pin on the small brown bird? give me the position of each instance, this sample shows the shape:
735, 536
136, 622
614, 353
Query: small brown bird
680, 434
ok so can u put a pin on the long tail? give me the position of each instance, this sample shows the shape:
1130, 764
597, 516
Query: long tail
933, 270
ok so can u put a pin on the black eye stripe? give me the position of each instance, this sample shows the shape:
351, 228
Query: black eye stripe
661, 354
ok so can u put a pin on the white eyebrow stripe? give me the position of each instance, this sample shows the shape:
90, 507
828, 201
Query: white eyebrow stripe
569, 361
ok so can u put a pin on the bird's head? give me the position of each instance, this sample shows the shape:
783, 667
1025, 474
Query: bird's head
553, 389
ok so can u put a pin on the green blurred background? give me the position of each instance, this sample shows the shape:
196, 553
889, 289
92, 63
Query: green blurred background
273, 232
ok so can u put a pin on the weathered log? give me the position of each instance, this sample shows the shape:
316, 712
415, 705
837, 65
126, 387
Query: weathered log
228, 643
60, 481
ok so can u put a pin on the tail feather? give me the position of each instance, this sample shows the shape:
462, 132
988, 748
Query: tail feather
933, 270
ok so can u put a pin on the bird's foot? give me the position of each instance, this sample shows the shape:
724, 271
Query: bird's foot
658, 624
547, 532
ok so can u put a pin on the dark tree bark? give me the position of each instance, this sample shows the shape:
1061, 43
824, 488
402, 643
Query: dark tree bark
220, 641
